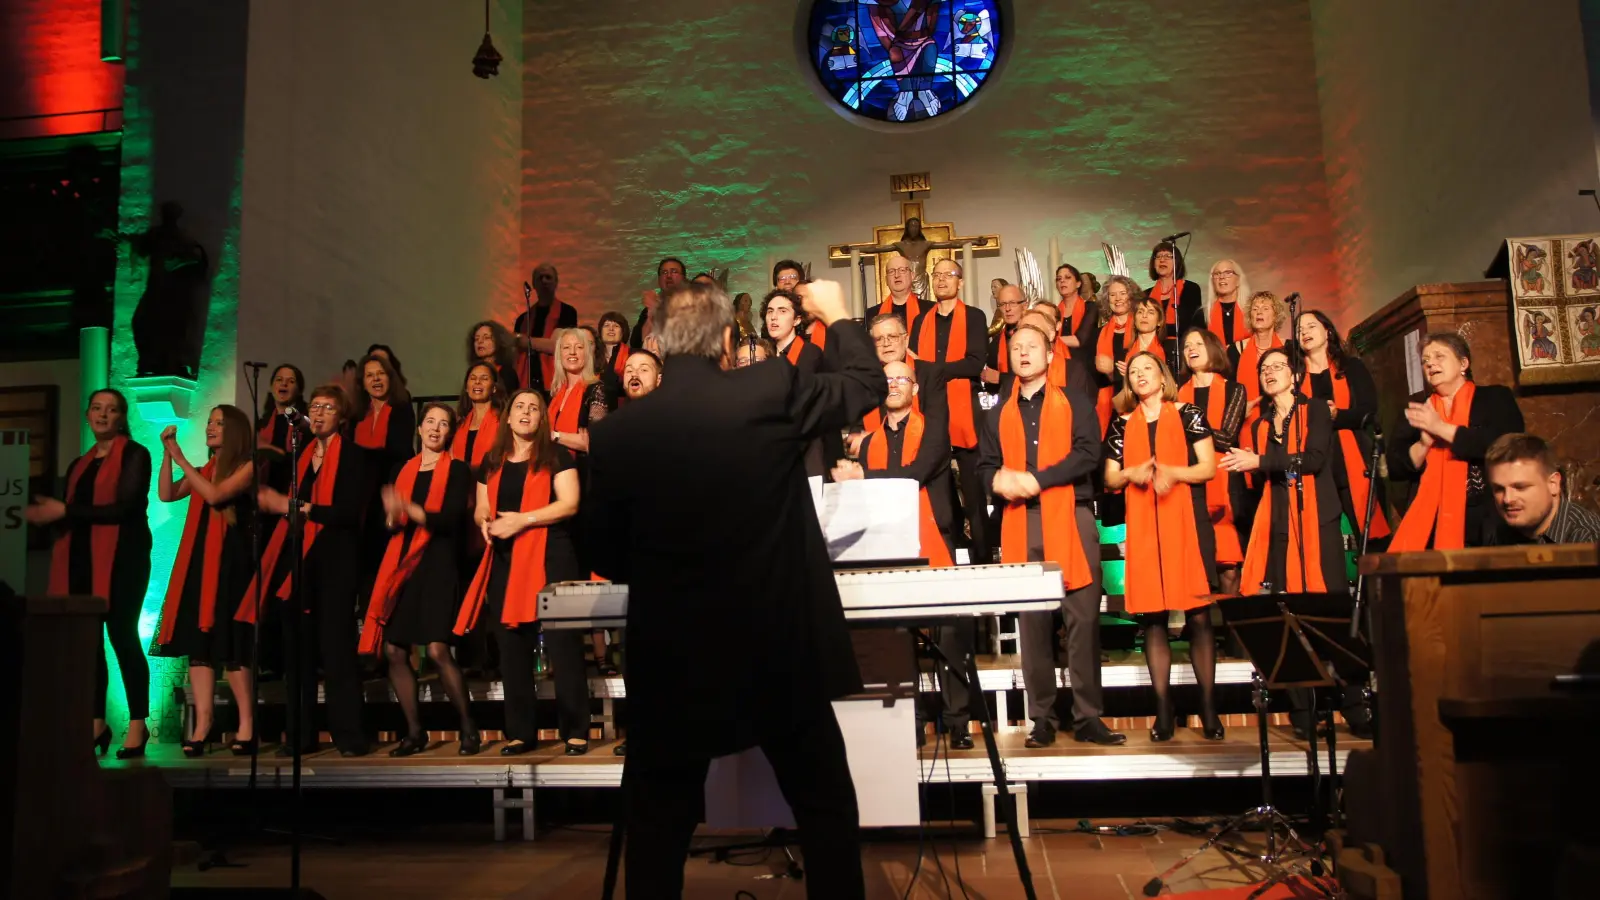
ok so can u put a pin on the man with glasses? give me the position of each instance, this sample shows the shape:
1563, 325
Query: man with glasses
955, 335
901, 301
669, 274
1011, 306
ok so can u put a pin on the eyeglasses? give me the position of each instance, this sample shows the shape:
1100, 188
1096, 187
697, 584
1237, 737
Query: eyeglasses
1275, 367
1225, 273
900, 380
884, 340
900, 270
323, 407
1010, 304
944, 276
1163, 256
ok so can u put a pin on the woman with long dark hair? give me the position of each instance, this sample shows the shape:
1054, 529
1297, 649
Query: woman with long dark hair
1206, 386
1178, 298
285, 392
477, 414
211, 572
414, 597
1159, 453
527, 495
612, 354
102, 548
1343, 383
1439, 448
491, 343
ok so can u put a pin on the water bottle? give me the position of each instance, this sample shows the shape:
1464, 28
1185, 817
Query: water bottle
541, 666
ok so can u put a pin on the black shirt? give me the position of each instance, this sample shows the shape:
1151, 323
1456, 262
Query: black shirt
567, 318
1075, 469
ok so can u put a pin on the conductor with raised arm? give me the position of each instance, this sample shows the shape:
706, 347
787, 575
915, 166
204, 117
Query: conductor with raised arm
736, 635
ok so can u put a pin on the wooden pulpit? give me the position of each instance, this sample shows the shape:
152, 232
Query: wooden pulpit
1482, 760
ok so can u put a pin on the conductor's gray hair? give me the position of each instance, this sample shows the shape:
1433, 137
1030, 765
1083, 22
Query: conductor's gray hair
882, 318
693, 320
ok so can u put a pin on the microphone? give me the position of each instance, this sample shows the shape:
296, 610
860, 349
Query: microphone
1172, 237
1291, 299
251, 364
295, 416
527, 290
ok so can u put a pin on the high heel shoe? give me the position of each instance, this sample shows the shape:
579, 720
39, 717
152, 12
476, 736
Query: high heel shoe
1165, 725
196, 749
471, 742
102, 741
577, 747
244, 747
134, 752
1211, 727
410, 745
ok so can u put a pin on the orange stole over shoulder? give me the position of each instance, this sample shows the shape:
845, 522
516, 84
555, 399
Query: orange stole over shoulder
1002, 353
1440, 507
102, 538
1249, 368
958, 391
1217, 503
565, 408
933, 546
521, 602
913, 307
399, 561
1355, 462
321, 495
1165, 569
1057, 505
1307, 535
1105, 345
1072, 318
372, 432
547, 361
1169, 302
486, 430
210, 561
792, 352
1057, 375
620, 360
817, 334
1241, 323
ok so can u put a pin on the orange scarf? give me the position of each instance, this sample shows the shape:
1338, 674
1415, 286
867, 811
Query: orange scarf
1249, 368
1073, 318
521, 602
1355, 462
210, 561
1002, 353
372, 432
1440, 507
933, 546
400, 561
321, 495
1164, 569
621, 359
1105, 346
817, 334
485, 429
1169, 300
792, 352
568, 406
1307, 536
102, 538
958, 391
547, 361
1241, 323
913, 307
1057, 375
1057, 505
1217, 503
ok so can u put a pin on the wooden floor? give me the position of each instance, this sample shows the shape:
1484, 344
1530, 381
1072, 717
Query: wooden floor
570, 864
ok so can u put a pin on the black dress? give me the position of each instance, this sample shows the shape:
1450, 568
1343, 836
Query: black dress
425, 611
560, 553
229, 644
1195, 430
1314, 459
1363, 403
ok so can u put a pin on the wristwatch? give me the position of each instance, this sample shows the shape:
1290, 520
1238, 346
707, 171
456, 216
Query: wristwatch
555, 436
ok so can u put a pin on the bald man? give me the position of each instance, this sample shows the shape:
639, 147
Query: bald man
901, 301
1011, 304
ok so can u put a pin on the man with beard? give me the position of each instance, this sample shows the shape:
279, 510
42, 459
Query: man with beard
953, 333
669, 274
736, 635
537, 338
641, 374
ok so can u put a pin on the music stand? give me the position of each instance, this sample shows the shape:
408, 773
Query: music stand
1292, 641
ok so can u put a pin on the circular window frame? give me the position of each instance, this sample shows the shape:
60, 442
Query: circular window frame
803, 47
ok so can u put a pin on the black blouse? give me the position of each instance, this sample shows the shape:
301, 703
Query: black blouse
1226, 434
1195, 430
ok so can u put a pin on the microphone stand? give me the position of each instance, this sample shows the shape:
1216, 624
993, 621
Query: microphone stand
1292, 472
297, 714
1374, 456
527, 333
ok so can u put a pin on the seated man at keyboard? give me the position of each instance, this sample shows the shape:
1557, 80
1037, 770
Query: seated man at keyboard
736, 636
910, 443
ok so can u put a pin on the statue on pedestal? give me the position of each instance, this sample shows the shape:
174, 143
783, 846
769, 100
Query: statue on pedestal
169, 323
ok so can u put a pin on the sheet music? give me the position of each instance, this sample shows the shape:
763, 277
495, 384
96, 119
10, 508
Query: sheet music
1413, 342
874, 518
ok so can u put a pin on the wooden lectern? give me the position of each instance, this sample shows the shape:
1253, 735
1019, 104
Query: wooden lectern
1483, 765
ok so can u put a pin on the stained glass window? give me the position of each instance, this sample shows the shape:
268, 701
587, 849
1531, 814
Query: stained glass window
904, 60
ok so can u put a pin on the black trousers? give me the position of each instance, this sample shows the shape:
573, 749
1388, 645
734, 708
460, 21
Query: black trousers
564, 651
974, 504
1037, 636
956, 643
122, 629
664, 800
325, 635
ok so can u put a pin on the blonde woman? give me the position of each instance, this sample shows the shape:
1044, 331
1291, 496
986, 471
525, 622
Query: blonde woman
1223, 315
1267, 316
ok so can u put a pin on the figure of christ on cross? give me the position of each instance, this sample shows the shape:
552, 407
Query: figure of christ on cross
914, 246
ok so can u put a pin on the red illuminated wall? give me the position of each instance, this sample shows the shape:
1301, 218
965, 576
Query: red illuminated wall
50, 66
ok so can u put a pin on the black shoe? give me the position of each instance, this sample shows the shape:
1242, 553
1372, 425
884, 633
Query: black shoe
471, 742
1164, 727
1042, 736
960, 740
243, 748
102, 741
1211, 727
620, 749
354, 750
1361, 729
516, 748
134, 752
577, 747
195, 749
410, 745
1096, 732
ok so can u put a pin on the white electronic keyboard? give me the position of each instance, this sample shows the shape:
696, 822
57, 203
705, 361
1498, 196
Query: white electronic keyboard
868, 595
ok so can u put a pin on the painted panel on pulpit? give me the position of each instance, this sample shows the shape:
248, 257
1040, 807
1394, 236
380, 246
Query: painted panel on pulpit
1555, 299
905, 60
